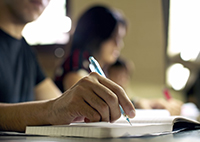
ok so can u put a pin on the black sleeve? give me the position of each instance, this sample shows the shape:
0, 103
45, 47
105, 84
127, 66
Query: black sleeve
40, 76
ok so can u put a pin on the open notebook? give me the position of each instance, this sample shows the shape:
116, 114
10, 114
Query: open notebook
141, 126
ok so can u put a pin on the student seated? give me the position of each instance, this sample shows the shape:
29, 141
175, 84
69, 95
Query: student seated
92, 99
99, 33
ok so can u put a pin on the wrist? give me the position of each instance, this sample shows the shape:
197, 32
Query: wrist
48, 109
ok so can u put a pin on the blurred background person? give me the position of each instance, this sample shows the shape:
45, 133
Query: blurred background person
99, 33
22, 81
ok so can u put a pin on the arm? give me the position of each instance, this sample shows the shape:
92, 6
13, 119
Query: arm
93, 98
46, 90
15, 117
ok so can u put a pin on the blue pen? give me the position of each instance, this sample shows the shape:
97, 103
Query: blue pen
95, 67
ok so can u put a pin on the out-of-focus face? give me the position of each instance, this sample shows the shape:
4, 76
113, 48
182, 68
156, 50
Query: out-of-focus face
24, 11
110, 49
120, 76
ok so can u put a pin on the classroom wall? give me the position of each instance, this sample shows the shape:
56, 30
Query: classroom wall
144, 42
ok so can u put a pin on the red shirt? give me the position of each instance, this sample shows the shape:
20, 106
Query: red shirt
74, 62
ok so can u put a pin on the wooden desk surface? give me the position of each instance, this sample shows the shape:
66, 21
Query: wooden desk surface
185, 136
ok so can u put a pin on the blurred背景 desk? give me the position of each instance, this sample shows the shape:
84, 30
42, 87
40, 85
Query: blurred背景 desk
184, 136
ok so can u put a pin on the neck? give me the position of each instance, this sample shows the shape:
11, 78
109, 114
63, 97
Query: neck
12, 30
9, 24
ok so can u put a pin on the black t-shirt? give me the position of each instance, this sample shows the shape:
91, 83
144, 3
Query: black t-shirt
19, 70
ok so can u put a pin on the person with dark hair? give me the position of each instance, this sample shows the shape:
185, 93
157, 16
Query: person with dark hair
99, 33
22, 82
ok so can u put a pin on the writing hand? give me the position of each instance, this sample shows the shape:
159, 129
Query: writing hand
93, 98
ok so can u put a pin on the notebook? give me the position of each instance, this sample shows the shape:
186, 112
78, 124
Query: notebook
141, 126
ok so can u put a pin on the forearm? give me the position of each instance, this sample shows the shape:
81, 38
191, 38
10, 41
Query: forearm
15, 117
46, 90
93, 98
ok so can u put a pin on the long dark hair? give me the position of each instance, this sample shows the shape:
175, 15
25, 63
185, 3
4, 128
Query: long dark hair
94, 27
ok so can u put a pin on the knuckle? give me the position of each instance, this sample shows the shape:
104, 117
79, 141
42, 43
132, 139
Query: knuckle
119, 90
104, 107
73, 100
116, 116
105, 119
113, 99
85, 80
80, 87
95, 116
93, 74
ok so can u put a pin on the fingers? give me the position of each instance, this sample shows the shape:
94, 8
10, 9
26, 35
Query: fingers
71, 107
91, 115
93, 98
101, 99
113, 95
98, 104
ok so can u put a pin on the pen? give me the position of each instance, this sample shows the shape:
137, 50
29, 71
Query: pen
95, 67
167, 94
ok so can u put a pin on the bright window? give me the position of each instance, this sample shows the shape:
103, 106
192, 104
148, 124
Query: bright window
51, 27
184, 29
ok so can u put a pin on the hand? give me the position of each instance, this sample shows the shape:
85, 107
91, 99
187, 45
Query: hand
93, 98
173, 105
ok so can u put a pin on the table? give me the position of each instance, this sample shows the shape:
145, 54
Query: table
184, 136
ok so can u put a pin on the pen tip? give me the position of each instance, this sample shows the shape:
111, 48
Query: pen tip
128, 121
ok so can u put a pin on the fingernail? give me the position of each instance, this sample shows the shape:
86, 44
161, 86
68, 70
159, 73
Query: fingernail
131, 114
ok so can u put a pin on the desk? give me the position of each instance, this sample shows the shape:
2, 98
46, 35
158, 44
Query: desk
185, 136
